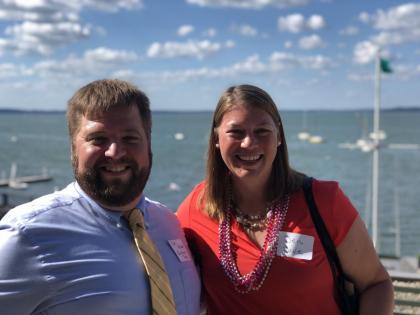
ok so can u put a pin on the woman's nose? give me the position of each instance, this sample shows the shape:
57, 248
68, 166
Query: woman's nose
248, 141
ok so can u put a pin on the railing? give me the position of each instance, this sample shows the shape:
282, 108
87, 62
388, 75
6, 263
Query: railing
407, 296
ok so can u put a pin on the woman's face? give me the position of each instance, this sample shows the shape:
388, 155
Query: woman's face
248, 139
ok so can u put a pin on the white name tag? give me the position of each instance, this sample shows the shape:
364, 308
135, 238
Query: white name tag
295, 245
180, 250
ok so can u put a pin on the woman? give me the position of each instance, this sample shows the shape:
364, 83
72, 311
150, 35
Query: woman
250, 229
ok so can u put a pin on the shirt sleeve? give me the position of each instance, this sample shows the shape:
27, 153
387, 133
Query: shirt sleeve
184, 210
22, 286
336, 209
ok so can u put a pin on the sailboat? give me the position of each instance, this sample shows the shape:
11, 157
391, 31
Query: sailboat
13, 180
303, 135
306, 136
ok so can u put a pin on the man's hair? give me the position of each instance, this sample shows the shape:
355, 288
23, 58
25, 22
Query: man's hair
283, 178
98, 97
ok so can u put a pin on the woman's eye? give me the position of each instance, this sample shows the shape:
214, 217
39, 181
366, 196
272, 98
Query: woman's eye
131, 139
263, 131
235, 132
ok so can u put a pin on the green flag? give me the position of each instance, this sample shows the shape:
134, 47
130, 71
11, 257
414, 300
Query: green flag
385, 66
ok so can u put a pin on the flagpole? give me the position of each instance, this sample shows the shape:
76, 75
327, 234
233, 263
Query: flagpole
375, 155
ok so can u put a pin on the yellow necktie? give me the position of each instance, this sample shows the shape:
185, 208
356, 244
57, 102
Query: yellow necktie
161, 292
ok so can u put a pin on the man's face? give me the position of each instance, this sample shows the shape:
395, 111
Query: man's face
111, 157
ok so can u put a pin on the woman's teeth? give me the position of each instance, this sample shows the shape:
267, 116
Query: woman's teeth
249, 157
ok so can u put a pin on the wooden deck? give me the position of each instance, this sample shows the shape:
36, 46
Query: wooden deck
26, 179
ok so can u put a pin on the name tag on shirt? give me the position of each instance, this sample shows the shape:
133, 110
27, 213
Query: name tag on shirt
180, 249
295, 245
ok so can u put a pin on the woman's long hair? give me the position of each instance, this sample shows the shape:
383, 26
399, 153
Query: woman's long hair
283, 178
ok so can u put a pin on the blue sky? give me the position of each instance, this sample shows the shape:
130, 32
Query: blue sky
183, 53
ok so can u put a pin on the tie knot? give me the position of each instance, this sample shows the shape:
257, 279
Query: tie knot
134, 218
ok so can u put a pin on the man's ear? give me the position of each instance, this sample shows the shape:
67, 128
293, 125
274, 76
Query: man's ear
71, 151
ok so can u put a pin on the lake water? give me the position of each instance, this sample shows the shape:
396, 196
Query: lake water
39, 140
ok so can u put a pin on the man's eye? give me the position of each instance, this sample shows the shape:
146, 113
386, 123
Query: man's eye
97, 140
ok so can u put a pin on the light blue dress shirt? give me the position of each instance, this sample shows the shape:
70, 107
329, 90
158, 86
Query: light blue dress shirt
62, 254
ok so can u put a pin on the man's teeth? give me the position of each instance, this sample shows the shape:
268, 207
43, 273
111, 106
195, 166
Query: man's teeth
115, 168
249, 157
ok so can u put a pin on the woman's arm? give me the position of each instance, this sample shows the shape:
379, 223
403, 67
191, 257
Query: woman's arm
361, 263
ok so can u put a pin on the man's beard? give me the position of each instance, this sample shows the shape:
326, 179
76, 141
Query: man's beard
115, 193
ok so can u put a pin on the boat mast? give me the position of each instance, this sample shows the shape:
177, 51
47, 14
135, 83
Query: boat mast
375, 154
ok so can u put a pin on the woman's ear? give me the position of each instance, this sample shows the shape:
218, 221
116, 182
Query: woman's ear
216, 138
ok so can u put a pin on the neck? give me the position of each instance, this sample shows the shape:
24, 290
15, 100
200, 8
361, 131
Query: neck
249, 198
123, 208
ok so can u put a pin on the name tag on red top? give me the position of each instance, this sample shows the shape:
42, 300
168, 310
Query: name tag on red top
295, 245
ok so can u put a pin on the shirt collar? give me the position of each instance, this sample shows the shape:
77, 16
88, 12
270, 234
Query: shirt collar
113, 216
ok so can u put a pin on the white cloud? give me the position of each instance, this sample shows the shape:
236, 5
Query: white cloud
93, 63
55, 77
400, 17
288, 44
311, 42
43, 38
10, 70
364, 17
286, 60
295, 23
252, 65
110, 6
44, 25
398, 25
211, 32
103, 54
74, 71
44, 11
316, 22
360, 77
400, 72
184, 30
364, 52
190, 48
245, 30
349, 31
249, 4
230, 44
58, 10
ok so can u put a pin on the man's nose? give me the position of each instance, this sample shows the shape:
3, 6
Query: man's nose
115, 151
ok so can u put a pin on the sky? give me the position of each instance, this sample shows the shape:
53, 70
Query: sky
307, 54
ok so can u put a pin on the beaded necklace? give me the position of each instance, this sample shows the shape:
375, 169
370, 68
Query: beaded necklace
253, 280
252, 223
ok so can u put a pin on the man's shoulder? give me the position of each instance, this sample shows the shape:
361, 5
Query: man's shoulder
42, 205
158, 208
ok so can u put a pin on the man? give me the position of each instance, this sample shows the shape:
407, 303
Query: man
72, 252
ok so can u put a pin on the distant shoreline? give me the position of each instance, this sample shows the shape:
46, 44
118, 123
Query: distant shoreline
163, 111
